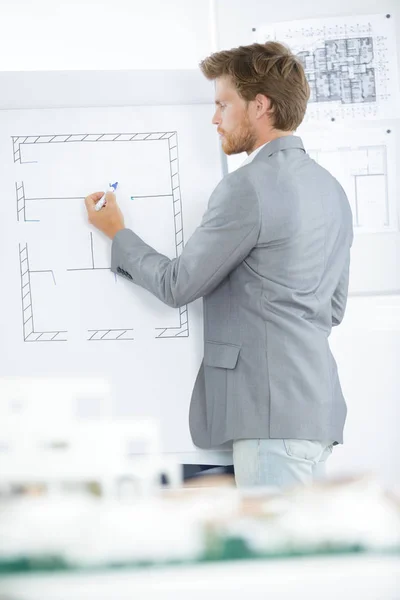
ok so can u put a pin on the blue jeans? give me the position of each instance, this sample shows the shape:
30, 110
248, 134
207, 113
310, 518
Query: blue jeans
279, 463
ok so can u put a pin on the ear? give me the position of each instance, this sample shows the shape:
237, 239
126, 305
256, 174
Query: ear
262, 105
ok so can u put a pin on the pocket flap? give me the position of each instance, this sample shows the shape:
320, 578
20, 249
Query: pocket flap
221, 355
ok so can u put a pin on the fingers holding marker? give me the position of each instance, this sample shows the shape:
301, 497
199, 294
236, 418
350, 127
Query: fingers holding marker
108, 196
92, 199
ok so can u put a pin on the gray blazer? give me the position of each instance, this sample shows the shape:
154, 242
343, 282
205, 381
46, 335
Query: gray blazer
271, 260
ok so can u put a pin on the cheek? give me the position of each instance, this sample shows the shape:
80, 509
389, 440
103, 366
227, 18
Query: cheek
232, 119
227, 121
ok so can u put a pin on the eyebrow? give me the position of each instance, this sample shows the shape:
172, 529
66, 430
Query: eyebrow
218, 102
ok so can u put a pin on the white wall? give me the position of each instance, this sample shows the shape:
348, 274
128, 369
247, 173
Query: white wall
177, 34
103, 34
367, 349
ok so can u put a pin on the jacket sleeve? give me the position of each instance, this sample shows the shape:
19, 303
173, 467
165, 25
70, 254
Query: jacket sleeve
228, 231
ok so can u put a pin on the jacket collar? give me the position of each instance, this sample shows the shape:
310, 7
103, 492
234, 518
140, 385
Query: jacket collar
287, 142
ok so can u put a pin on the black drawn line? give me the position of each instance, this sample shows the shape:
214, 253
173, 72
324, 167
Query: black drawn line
28, 326
45, 271
91, 249
58, 198
133, 197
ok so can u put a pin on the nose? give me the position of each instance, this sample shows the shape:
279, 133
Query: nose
216, 120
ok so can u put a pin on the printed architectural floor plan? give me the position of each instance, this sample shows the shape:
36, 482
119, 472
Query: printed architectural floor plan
350, 64
363, 160
341, 70
362, 173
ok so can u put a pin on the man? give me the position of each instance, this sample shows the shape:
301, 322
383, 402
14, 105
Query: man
271, 260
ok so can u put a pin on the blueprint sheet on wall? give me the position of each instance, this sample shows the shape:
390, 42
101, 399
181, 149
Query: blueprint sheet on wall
364, 163
350, 63
63, 312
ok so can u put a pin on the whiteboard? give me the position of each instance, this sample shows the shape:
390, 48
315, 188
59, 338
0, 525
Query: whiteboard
63, 312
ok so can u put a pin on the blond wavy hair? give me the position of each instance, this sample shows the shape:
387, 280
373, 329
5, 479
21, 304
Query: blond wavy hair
270, 69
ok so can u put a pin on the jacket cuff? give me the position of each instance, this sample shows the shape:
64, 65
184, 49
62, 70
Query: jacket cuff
121, 244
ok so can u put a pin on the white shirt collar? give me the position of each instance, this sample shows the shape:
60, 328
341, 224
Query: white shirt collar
253, 155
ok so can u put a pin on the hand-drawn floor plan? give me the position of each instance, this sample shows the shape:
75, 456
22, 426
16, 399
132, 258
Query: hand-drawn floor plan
41, 199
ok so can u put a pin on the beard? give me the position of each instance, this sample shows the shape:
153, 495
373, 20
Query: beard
243, 139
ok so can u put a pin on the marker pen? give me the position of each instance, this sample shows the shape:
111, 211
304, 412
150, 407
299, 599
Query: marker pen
100, 203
